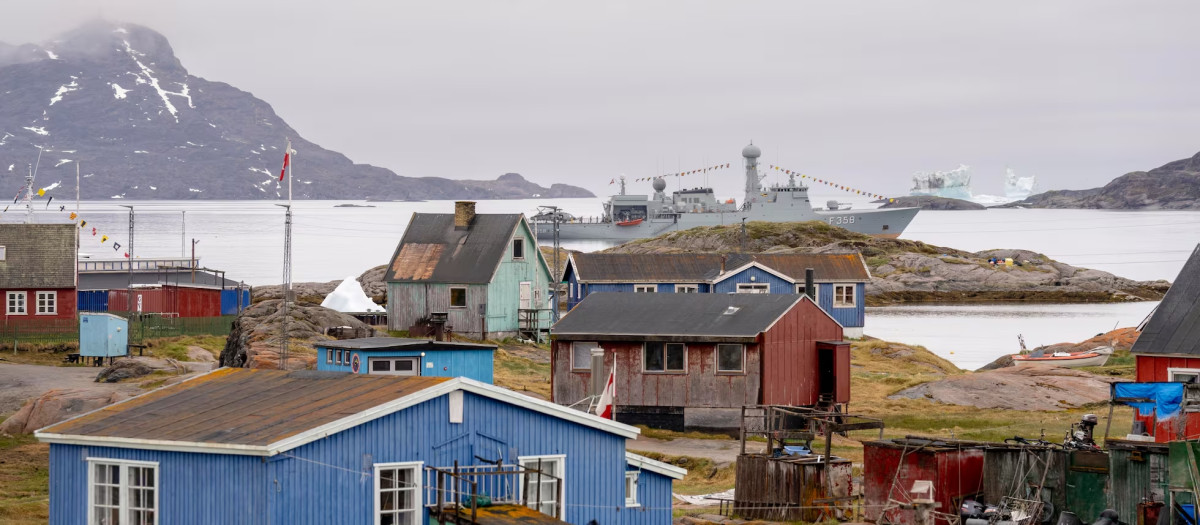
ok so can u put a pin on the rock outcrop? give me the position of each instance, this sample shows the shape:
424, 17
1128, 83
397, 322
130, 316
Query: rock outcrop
256, 336
932, 203
57, 405
311, 292
1172, 186
1016, 388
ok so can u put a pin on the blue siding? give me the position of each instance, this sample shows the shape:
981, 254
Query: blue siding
194, 488
92, 301
853, 317
653, 489
729, 285
473, 364
229, 301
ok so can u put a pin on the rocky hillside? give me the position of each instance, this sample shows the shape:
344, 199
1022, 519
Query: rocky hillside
932, 203
1172, 186
904, 270
115, 99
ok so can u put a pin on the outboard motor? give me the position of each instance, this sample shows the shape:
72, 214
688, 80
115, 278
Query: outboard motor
1088, 426
971, 509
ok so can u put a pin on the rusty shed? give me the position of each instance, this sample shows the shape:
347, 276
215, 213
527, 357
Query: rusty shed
1018, 470
954, 467
1138, 473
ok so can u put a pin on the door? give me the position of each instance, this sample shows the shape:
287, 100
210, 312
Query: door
395, 366
526, 295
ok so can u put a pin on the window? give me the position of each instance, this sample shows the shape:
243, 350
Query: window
664, 357
339, 358
631, 484
458, 297
731, 358
816, 290
16, 303
645, 288
753, 288
1184, 375
687, 288
581, 355
518, 248
843, 295
553, 488
3, 253
398, 494
121, 491
395, 366
47, 303
329, 355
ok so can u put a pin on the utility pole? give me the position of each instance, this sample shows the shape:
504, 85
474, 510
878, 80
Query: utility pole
129, 263
183, 236
287, 283
193, 265
556, 284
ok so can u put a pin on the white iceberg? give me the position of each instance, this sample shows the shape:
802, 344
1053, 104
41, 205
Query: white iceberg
349, 297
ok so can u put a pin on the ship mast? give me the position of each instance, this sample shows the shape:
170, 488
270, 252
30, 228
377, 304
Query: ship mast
753, 186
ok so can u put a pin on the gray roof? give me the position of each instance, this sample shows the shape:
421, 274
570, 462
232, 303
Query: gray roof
400, 343
38, 255
433, 251
706, 267
116, 280
673, 317
1174, 327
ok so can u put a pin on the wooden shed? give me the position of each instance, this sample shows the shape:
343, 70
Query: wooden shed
955, 468
692, 361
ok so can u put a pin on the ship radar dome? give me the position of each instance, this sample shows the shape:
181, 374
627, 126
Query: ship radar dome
751, 151
659, 184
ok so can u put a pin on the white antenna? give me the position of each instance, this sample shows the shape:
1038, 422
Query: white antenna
29, 188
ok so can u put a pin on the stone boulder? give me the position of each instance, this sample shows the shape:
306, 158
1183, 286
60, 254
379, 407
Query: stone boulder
1015, 388
256, 336
310, 292
57, 405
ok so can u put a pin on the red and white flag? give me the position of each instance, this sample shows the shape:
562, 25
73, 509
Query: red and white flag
287, 155
604, 407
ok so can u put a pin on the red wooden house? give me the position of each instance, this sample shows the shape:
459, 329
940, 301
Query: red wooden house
37, 275
693, 360
1168, 351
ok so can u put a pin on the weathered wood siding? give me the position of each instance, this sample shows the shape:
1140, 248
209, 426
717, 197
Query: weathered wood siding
504, 292
789, 364
700, 386
780, 489
408, 302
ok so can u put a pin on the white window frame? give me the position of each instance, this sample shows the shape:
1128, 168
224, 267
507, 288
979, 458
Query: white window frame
837, 299
123, 487
816, 291
391, 361
561, 459
748, 287
338, 361
329, 356
717, 356
8, 306
53, 303
666, 370
631, 476
1190, 371
518, 242
645, 288
3, 253
683, 288
450, 297
418, 468
586, 366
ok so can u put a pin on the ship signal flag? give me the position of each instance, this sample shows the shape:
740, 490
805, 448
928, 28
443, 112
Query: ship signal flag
103, 238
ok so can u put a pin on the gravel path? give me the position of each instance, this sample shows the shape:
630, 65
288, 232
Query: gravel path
720, 451
20, 383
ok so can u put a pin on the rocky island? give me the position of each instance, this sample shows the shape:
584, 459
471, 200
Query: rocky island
926, 202
1172, 186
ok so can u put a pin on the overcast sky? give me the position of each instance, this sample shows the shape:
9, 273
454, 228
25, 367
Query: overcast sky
864, 93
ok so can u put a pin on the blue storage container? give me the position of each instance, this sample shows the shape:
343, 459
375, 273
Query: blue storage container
103, 335
230, 304
92, 301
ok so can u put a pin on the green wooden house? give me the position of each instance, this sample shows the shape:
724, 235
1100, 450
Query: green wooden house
483, 274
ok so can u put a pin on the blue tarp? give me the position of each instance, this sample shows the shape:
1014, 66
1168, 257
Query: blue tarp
1166, 398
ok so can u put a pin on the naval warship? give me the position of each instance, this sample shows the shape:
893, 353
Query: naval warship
629, 217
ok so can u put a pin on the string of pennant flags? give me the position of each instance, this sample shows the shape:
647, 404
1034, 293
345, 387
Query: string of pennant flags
679, 174
74, 217
829, 183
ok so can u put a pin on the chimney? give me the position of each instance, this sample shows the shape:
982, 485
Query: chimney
723, 258
464, 213
598, 377
809, 288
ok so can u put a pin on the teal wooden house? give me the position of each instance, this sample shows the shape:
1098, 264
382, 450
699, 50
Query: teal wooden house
479, 275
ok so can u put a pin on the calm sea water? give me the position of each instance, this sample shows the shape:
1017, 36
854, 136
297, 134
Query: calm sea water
246, 240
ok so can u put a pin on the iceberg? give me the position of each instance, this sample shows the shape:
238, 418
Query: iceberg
1018, 188
349, 297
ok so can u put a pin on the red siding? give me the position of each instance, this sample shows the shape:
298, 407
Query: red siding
1154, 369
789, 374
954, 473
65, 298
182, 301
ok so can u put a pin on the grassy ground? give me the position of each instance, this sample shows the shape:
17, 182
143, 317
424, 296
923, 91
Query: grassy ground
521, 374
703, 476
24, 480
166, 347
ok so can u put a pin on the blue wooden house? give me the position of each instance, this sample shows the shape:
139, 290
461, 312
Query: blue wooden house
407, 357
310, 447
840, 279
483, 274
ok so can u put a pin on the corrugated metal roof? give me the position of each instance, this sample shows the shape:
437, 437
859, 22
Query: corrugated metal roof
668, 315
432, 250
1174, 328
37, 255
395, 343
702, 267
120, 280
238, 406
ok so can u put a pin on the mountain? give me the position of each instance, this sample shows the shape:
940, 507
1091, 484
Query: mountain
1172, 186
114, 98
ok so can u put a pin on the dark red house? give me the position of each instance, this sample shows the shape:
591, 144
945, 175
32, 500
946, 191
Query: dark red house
1168, 351
169, 300
693, 360
37, 274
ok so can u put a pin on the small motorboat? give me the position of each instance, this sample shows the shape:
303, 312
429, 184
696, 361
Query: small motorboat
631, 222
1095, 357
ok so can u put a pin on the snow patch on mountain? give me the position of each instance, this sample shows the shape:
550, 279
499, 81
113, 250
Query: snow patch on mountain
52, 186
194, 190
51, 54
37, 129
61, 162
153, 81
63, 90
118, 91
